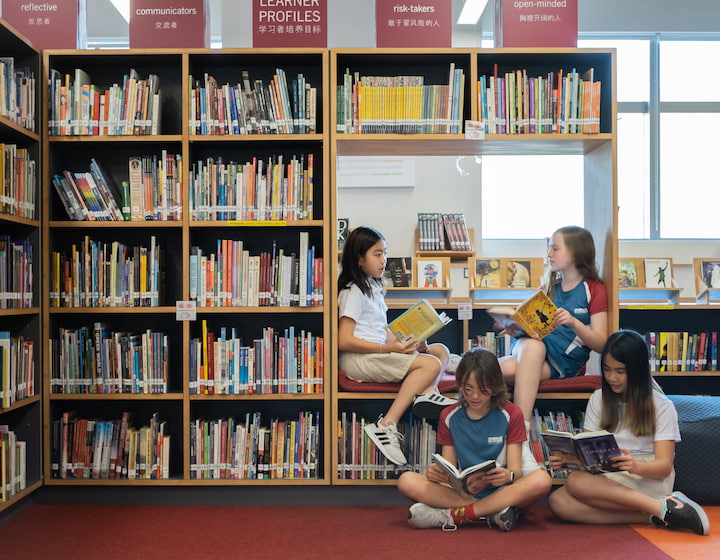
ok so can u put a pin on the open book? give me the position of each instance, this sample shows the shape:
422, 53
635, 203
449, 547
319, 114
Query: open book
592, 451
421, 321
534, 316
461, 480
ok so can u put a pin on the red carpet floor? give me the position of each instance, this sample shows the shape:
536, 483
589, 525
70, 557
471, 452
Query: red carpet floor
107, 532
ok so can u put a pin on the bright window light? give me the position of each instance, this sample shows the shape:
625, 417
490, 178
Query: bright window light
471, 12
122, 6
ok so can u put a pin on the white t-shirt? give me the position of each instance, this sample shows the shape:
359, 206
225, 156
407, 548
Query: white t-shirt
666, 424
369, 313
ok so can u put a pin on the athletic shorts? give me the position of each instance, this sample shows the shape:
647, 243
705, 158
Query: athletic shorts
386, 367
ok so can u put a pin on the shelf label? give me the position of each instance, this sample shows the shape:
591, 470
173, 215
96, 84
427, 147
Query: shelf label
169, 24
289, 24
524, 23
49, 25
413, 23
185, 310
464, 311
255, 223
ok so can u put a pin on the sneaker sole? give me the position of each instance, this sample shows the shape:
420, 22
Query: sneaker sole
381, 446
427, 409
699, 510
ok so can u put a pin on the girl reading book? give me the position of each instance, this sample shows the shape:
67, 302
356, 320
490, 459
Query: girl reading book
644, 421
580, 323
483, 427
369, 351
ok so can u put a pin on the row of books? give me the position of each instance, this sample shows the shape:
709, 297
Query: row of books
682, 351
78, 107
278, 362
101, 449
231, 448
17, 93
16, 273
251, 107
277, 188
232, 277
564, 102
153, 191
19, 186
13, 464
96, 360
359, 458
497, 344
107, 274
400, 104
17, 369
443, 232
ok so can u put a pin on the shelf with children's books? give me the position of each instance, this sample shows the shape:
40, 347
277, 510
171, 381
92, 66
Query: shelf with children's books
20, 256
209, 185
592, 136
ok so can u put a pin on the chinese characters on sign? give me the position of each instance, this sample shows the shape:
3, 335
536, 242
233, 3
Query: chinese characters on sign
48, 25
415, 23
289, 23
169, 24
536, 23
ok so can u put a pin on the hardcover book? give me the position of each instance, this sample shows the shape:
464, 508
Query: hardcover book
588, 451
398, 272
462, 480
421, 321
534, 316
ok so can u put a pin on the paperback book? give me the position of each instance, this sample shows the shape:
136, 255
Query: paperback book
587, 451
421, 321
462, 480
534, 316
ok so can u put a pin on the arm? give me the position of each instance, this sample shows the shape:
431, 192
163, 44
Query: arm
660, 467
593, 335
348, 342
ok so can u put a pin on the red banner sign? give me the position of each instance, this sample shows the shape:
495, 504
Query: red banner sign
413, 23
289, 23
169, 24
49, 24
536, 23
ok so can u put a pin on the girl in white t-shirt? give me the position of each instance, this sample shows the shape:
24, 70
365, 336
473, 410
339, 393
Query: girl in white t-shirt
368, 351
633, 407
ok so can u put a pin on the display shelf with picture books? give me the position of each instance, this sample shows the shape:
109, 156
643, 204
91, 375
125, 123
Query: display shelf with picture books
597, 150
648, 280
494, 280
707, 280
21, 359
201, 202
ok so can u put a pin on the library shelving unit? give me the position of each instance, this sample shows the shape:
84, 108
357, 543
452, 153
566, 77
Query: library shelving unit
685, 317
598, 150
20, 407
193, 241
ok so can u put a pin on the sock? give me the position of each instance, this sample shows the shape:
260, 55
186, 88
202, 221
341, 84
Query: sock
465, 514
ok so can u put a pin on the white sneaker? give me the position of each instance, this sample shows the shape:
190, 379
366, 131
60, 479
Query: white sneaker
387, 439
429, 405
422, 516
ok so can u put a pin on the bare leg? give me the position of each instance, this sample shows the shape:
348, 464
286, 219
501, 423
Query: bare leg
422, 377
524, 370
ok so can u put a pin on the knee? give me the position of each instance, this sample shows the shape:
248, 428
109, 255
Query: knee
408, 484
539, 483
558, 503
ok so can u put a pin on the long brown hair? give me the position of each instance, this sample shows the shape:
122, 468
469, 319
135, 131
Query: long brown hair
579, 242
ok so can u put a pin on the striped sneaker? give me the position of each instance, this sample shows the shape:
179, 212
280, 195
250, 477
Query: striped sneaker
387, 439
429, 405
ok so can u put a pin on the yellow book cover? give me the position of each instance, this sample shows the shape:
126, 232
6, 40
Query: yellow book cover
534, 316
420, 322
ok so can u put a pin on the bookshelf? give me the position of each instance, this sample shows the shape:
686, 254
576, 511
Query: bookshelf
21, 405
598, 150
197, 221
